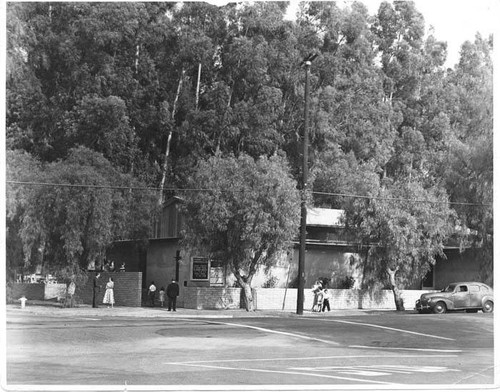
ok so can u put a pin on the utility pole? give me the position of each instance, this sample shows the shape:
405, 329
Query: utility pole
177, 261
303, 207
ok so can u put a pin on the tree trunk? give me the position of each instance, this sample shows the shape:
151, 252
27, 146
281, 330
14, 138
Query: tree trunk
395, 290
198, 86
248, 297
245, 284
169, 139
136, 63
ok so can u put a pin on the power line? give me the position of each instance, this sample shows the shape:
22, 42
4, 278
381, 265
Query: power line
156, 189
127, 188
400, 199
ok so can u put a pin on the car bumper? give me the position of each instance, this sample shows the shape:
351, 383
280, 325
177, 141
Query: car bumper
422, 307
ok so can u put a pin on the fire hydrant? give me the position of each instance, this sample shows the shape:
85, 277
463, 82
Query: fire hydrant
23, 300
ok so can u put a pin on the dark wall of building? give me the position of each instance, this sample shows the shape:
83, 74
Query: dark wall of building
456, 267
327, 234
161, 264
132, 253
127, 290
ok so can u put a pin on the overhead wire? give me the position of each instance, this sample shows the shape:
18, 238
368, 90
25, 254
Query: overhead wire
172, 189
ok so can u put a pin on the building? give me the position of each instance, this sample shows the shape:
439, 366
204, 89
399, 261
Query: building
330, 253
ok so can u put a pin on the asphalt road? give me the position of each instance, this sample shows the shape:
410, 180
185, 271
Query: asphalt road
381, 349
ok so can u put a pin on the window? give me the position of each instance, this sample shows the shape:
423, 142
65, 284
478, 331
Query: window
463, 288
474, 288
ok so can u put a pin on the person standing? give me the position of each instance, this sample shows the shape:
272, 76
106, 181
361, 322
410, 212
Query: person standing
70, 297
172, 293
326, 300
109, 296
96, 289
152, 293
317, 289
162, 296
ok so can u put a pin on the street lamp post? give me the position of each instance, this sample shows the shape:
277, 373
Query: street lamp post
303, 207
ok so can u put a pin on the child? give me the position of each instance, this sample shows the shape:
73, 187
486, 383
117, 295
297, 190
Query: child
162, 296
319, 299
326, 300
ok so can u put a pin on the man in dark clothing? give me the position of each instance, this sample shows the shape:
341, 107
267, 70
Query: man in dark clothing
172, 293
96, 290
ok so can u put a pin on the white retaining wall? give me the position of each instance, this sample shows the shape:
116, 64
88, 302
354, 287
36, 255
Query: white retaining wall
286, 299
211, 297
55, 290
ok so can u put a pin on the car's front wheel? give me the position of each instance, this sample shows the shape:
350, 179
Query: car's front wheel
488, 307
439, 308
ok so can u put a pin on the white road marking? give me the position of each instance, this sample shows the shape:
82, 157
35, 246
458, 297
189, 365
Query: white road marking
377, 370
384, 327
315, 375
295, 335
474, 375
87, 318
308, 358
436, 350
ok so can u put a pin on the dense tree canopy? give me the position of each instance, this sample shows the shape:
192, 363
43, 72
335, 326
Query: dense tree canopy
73, 210
247, 214
157, 89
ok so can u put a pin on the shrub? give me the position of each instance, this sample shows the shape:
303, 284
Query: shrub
270, 282
347, 282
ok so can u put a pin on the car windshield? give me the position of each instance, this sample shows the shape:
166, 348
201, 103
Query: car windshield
449, 289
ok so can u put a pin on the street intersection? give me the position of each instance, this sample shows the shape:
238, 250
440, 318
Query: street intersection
263, 350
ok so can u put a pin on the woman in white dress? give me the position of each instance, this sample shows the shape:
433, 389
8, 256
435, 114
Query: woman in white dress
109, 297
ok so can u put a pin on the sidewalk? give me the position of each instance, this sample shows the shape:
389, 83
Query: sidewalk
47, 308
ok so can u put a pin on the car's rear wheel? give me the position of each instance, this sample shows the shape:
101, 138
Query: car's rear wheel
439, 308
488, 307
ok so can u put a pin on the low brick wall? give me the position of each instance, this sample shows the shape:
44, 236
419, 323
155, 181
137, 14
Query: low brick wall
211, 297
33, 291
128, 292
278, 299
127, 289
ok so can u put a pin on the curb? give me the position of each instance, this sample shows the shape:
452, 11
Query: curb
51, 310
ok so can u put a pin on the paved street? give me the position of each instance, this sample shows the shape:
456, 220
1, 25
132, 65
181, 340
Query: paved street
152, 347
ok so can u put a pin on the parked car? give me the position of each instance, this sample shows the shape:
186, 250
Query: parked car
468, 296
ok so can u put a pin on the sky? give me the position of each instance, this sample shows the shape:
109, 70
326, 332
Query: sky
454, 21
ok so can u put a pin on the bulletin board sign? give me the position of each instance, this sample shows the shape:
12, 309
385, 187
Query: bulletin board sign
200, 268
